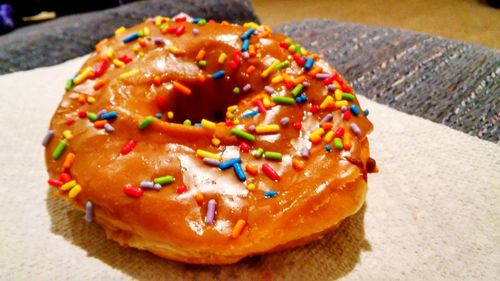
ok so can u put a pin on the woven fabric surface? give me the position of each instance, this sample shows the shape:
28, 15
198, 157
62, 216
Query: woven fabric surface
71, 36
432, 212
446, 81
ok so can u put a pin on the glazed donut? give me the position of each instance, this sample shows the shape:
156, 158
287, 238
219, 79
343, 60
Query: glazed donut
207, 142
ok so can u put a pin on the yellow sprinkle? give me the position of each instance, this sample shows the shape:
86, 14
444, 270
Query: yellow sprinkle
120, 29
338, 94
319, 132
236, 121
118, 63
337, 85
222, 58
267, 129
67, 134
68, 185
327, 101
129, 73
238, 228
270, 69
136, 48
110, 52
291, 48
267, 102
341, 103
276, 79
328, 137
206, 154
140, 54
158, 20
90, 99
146, 31
83, 75
207, 124
216, 141
176, 51
232, 108
74, 191
251, 24
170, 115
251, 186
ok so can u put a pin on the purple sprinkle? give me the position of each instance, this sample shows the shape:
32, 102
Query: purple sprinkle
306, 84
147, 184
332, 87
323, 75
159, 41
195, 31
47, 137
327, 118
211, 161
269, 89
101, 112
258, 31
343, 108
355, 129
284, 121
89, 211
304, 152
251, 128
157, 186
247, 88
108, 128
209, 219
245, 55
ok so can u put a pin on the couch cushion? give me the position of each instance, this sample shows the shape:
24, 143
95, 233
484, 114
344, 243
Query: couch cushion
446, 81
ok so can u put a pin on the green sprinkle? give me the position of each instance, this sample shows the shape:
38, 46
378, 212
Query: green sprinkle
69, 84
146, 122
202, 63
337, 142
202, 22
187, 122
284, 100
58, 151
236, 90
164, 180
348, 97
92, 116
242, 134
273, 155
298, 50
258, 153
297, 90
164, 25
140, 33
282, 65
289, 41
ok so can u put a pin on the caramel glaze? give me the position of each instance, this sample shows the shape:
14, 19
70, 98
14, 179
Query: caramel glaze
172, 224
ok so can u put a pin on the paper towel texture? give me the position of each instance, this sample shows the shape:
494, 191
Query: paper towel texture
432, 213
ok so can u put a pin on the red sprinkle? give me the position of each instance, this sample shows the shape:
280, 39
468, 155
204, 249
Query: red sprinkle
244, 146
314, 108
125, 58
82, 114
70, 121
330, 79
131, 191
181, 189
55, 183
101, 67
297, 125
339, 132
229, 123
161, 101
180, 30
180, 19
260, 106
270, 172
172, 29
233, 65
128, 147
284, 45
299, 60
346, 115
65, 177
289, 85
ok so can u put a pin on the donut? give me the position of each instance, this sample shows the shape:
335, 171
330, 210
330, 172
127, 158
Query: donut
206, 142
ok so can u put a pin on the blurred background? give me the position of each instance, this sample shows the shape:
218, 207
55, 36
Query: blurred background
475, 21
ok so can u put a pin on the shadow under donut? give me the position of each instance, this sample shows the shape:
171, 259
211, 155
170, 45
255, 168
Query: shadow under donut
331, 257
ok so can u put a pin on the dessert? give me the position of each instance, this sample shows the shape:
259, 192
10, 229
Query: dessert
207, 142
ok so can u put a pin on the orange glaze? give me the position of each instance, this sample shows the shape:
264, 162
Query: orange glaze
167, 147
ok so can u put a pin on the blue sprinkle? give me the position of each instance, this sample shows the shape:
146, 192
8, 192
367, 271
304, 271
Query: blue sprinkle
197, 124
47, 137
229, 163
250, 114
109, 115
247, 34
354, 110
89, 211
309, 63
218, 74
239, 172
366, 112
159, 115
270, 194
196, 20
328, 148
245, 46
131, 37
